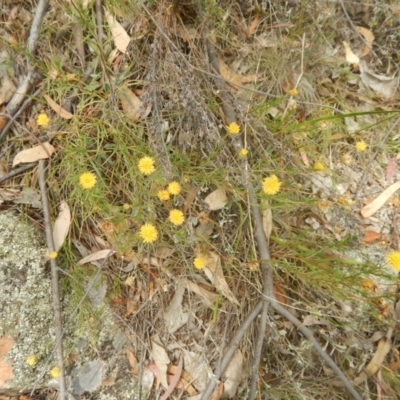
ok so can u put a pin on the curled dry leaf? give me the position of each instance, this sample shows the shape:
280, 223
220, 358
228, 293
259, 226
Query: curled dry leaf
232, 77
121, 38
216, 199
57, 108
97, 255
61, 225
350, 56
371, 208
43, 151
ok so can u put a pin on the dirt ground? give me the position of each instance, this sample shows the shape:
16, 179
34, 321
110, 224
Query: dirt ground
199, 200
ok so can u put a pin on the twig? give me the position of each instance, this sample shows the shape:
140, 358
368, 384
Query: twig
29, 79
54, 279
99, 22
231, 350
17, 171
372, 158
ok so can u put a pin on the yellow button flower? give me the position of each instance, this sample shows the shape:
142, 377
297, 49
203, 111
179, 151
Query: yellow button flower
393, 260
42, 119
233, 128
319, 166
271, 185
53, 255
361, 146
148, 233
55, 372
87, 180
146, 165
199, 262
243, 153
174, 188
176, 217
164, 195
31, 360
293, 92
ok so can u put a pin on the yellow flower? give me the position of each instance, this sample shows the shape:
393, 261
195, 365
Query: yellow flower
164, 195
55, 372
199, 262
174, 187
243, 153
233, 128
148, 233
319, 166
53, 255
361, 146
126, 206
293, 92
176, 217
146, 165
87, 180
393, 259
271, 185
31, 360
369, 286
42, 119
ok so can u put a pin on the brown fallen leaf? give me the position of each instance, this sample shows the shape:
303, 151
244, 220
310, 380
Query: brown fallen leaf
43, 151
216, 199
98, 255
184, 382
121, 38
61, 225
371, 208
232, 77
350, 56
174, 381
267, 222
57, 108
133, 362
371, 236
369, 39
132, 105
161, 359
253, 25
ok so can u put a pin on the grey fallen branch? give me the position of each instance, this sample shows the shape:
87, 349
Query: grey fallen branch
54, 279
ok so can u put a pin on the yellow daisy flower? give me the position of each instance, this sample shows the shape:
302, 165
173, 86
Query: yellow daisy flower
148, 233
87, 180
293, 92
319, 166
42, 119
146, 165
126, 206
393, 260
243, 153
55, 372
53, 255
176, 217
174, 188
361, 146
271, 185
199, 262
164, 195
233, 128
31, 360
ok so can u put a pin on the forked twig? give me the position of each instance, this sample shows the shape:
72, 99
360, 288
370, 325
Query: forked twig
54, 279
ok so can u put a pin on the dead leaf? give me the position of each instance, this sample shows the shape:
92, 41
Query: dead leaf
215, 274
174, 316
29, 196
371, 236
6, 344
9, 194
196, 365
267, 222
133, 362
43, 151
381, 84
371, 208
375, 364
191, 195
132, 105
161, 359
174, 381
253, 25
7, 87
390, 169
57, 108
6, 372
216, 199
61, 225
369, 39
218, 392
97, 255
232, 77
184, 380
208, 297
233, 374
350, 56
121, 38
310, 320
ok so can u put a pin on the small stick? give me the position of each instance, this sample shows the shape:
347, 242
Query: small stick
54, 279
16, 172
99, 22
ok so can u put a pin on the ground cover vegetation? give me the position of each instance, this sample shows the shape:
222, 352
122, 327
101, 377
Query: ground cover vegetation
164, 124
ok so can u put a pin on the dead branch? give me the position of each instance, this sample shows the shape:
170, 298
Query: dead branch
54, 279
16, 172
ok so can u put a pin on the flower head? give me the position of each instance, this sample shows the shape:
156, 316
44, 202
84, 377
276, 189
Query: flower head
176, 217
361, 146
174, 188
31, 360
233, 128
271, 185
164, 195
243, 153
42, 119
53, 255
55, 372
126, 206
87, 180
148, 233
293, 92
199, 262
146, 165
393, 260
319, 166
